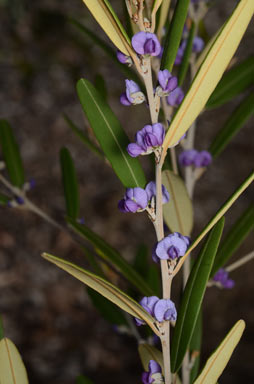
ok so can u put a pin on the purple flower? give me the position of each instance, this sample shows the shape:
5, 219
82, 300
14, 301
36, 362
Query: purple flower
187, 157
146, 43
202, 159
148, 304
176, 97
132, 95
180, 53
167, 82
148, 138
222, 277
124, 59
135, 200
165, 309
171, 247
153, 368
151, 192
198, 44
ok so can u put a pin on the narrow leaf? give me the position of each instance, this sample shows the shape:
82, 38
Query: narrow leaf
178, 212
11, 154
235, 81
210, 72
186, 57
12, 369
235, 237
195, 347
109, 23
110, 135
233, 125
147, 352
70, 183
193, 296
174, 35
88, 143
106, 289
217, 217
112, 256
219, 359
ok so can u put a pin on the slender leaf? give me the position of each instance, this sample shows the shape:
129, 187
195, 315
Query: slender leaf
11, 154
12, 369
186, 57
174, 34
195, 347
83, 380
147, 352
107, 310
70, 183
193, 296
106, 289
217, 217
107, 19
85, 139
112, 256
233, 125
4, 199
235, 237
178, 212
219, 359
1, 328
210, 72
235, 81
110, 135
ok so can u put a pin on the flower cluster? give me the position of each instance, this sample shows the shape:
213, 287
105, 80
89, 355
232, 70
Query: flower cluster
138, 199
195, 158
147, 139
160, 309
154, 373
222, 277
171, 247
132, 95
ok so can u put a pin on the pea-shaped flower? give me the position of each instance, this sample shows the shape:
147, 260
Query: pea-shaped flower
154, 370
198, 44
146, 43
186, 158
202, 159
135, 200
165, 310
132, 95
171, 247
175, 97
167, 82
222, 277
151, 192
124, 59
147, 139
148, 303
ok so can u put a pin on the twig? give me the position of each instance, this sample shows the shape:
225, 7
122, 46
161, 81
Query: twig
240, 262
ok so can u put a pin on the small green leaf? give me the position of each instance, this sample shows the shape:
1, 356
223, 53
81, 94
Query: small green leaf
88, 143
240, 230
195, 347
12, 369
110, 135
178, 212
147, 352
186, 57
235, 81
70, 183
83, 380
112, 256
233, 125
174, 35
193, 296
106, 289
216, 364
11, 154
4, 199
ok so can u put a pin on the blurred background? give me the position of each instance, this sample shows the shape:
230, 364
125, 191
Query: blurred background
47, 313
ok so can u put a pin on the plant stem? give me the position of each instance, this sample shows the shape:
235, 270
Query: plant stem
240, 262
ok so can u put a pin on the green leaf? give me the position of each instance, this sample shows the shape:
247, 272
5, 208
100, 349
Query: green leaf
216, 218
4, 199
174, 35
107, 310
88, 143
235, 237
193, 296
210, 72
235, 81
178, 212
233, 125
110, 135
1, 328
112, 256
186, 57
11, 154
195, 347
106, 289
83, 380
219, 359
12, 369
147, 352
70, 183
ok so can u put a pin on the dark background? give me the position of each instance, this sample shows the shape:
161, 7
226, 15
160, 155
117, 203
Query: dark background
47, 313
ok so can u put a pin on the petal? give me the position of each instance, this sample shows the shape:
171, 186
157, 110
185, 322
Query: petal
131, 206
124, 100
150, 190
138, 41
134, 150
140, 197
